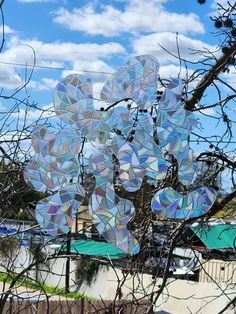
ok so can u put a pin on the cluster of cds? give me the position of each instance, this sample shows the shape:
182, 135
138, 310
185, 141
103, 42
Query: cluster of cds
127, 134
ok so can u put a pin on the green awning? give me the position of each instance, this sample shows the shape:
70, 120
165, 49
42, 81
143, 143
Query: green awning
95, 248
216, 236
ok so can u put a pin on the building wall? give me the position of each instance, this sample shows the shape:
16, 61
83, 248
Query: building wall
179, 296
82, 220
218, 271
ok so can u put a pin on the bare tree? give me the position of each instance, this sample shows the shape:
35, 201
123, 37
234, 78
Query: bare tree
213, 72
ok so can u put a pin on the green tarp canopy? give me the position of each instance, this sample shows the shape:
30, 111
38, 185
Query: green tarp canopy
95, 248
220, 236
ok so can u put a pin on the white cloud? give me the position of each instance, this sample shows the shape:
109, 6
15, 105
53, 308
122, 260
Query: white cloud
171, 70
229, 78
7, 29
224, 3
137, 16
149, 44
31, 116
45, 84
207, 111
9, 79
174, 71
19, 51
215, 7
87, 56
37, 86
49, 83
100, 71
25, 118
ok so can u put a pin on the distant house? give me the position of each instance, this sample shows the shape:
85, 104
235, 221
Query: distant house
218, 271
213, 240
217, 243
83, 221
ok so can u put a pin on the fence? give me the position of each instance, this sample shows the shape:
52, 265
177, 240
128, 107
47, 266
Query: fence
218, 271
81, 306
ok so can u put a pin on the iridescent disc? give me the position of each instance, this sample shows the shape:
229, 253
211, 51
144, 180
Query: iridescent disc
137, 80
55, 214
72, 96
126, 144
110, 212
171, 204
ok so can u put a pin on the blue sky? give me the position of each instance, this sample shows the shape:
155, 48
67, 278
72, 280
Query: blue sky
98, 36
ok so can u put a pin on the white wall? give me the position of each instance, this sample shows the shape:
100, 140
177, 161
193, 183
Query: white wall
21, 258
179, 296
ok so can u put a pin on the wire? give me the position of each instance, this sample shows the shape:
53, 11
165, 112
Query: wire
53, 68
60, 68
202, 141
57, 68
